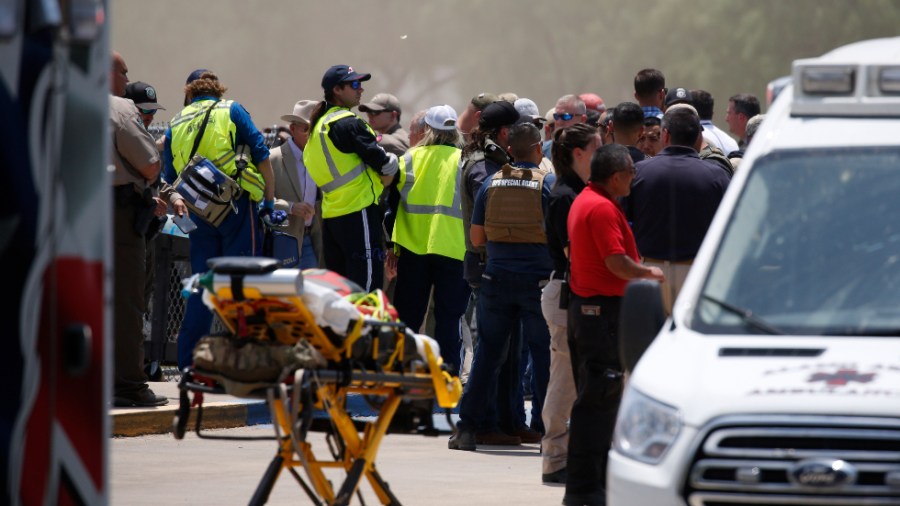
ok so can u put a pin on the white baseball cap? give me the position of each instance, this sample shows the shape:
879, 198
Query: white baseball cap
441, 117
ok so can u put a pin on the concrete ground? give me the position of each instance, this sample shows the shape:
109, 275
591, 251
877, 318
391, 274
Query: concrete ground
157, 469
151, 468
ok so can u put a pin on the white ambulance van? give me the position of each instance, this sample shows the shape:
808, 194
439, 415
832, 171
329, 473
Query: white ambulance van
776, 380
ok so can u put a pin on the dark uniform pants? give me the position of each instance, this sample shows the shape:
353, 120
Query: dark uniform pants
128, 295
593, 343
421, 276
353, 249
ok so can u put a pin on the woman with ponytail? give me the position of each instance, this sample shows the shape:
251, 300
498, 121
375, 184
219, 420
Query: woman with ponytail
571, 151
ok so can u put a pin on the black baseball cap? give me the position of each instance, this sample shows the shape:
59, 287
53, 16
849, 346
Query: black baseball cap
143, 95
338, 74
498, 114
678, 96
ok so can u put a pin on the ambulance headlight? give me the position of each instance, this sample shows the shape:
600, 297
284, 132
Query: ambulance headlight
645, 428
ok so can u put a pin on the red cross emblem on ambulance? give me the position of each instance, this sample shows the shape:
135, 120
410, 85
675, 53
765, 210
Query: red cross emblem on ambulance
841, 377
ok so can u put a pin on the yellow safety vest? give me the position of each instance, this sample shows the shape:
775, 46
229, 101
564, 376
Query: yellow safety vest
429, 219
347, 184
217, 144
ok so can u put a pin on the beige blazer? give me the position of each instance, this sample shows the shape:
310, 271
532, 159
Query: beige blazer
289, 189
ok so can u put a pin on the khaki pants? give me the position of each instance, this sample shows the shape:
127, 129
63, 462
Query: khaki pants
675, 273
561, 388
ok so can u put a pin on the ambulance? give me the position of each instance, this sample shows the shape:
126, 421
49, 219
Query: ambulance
55, 252
776, 380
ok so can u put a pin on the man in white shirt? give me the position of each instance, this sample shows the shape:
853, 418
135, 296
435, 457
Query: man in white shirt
703, 101
296, 193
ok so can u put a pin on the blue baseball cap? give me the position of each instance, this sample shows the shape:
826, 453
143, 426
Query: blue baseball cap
338, 74
195, 75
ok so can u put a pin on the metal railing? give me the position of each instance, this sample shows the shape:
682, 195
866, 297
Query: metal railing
270, 133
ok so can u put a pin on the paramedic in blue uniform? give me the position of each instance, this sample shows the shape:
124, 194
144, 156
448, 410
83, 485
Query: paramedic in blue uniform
229, 125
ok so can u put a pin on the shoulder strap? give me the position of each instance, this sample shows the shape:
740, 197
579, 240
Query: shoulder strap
199, 136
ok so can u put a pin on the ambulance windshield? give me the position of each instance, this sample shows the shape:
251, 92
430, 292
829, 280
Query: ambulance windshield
813, 248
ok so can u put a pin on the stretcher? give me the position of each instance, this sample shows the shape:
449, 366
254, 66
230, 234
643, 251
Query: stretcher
305, 341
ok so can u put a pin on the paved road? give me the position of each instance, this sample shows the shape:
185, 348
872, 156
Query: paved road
157, 469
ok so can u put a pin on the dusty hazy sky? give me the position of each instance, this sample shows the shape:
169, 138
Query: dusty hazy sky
271, 53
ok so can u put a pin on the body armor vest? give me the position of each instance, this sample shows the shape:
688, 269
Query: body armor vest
514, 211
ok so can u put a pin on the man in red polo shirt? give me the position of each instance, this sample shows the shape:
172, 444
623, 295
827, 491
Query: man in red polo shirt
603, 257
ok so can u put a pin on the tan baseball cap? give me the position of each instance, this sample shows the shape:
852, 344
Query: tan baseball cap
381, 102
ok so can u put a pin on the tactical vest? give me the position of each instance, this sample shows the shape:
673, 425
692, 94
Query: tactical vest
716, 156
494, 154
429, 220
515, 211
347, 184
217, 144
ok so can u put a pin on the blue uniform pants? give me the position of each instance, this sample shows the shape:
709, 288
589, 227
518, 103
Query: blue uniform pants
238, 235
509, 314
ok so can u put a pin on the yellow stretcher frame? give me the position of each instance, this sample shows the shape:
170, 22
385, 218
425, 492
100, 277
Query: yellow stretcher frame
286, 320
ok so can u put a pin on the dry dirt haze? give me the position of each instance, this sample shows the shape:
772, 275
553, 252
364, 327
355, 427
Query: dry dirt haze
271, 53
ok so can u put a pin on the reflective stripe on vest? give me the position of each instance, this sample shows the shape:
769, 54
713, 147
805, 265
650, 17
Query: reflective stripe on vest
217, 144
429, 220
357, 188
337, 180
454, 210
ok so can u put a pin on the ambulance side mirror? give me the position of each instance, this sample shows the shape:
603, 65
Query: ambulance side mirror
640, 319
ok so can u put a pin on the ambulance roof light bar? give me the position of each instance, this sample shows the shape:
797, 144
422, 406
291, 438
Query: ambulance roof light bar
889, 80
845, 89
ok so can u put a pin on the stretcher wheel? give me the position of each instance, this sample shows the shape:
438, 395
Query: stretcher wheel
179, 423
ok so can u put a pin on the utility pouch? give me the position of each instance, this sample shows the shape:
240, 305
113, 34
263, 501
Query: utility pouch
564, 294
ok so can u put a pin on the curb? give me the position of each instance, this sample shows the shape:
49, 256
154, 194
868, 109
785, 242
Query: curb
216, 415
225, 413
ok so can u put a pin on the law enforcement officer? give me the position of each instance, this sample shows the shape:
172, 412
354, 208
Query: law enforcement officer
136, 162
508, 219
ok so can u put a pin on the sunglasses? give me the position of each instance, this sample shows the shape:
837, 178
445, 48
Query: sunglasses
147, 111
564, 116
354, 84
